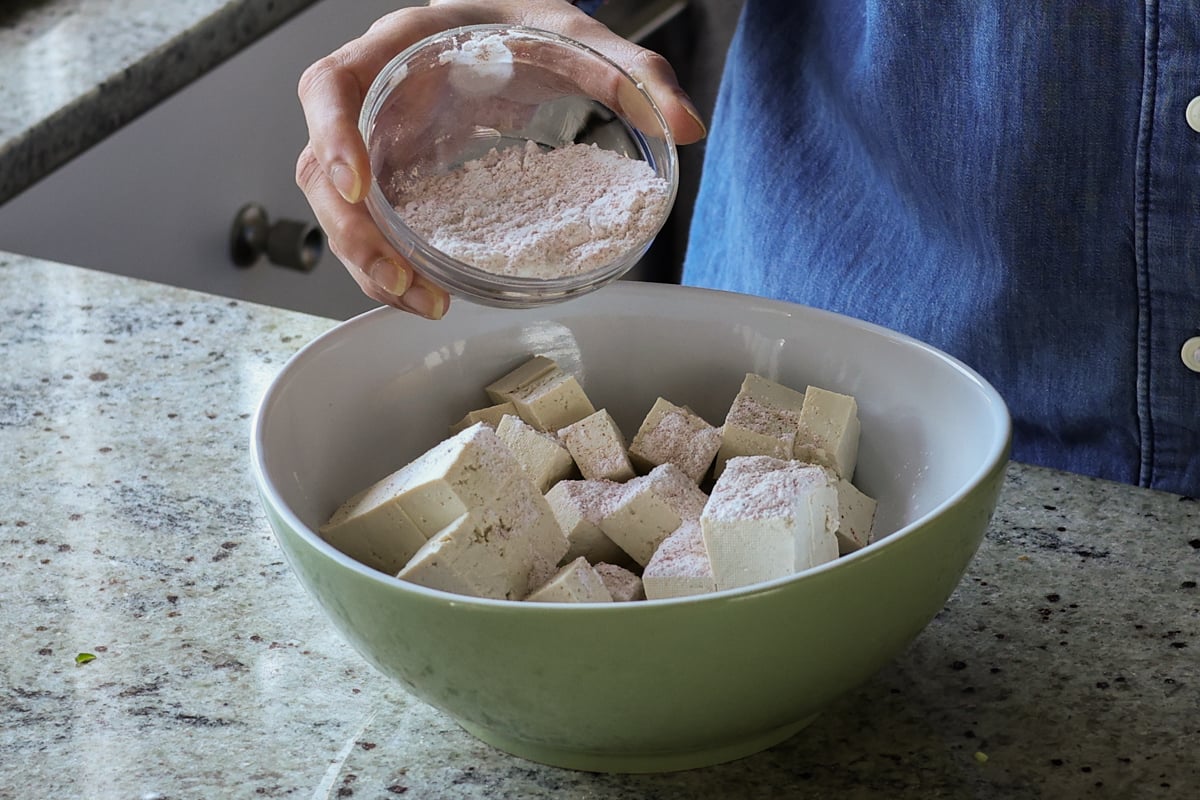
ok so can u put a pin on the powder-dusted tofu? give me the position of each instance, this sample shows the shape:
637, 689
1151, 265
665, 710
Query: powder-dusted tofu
491, 416
598, 447
856, 518
552, 402
764, 419
829, 431
672, 434
579, 507
623, 585
650, 508
372, 528
577, 582
767, 518
502, 389
680, 566
474, 471
543, 458
468, 557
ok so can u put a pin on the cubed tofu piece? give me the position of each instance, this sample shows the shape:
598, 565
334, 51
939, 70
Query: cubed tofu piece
598, 447
474, 471
768, 518
680, 566
467, 557
579, 507
829, 430
856, 518
502, 389
552, 402
623, 585
672, 434
764, 419
372, 528
650, 509
577, 582
490, 416
543, 458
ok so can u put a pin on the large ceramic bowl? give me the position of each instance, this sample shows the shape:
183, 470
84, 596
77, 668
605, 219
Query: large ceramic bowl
650, 686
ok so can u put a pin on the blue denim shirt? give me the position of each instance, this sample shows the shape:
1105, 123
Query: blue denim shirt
1015, 183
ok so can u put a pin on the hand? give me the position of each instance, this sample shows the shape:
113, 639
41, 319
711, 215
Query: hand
333, 170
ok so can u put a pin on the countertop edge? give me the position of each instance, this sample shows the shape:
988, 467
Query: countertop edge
119, 98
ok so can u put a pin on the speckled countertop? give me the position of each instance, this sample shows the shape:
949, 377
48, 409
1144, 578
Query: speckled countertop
1068, 659
74, 71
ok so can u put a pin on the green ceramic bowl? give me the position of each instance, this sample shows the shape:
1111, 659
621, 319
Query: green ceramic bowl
651, 686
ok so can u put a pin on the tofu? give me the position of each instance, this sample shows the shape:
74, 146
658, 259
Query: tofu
474, 471
829, 431
650, 509
468, 557
372, 528
598, 447
680, 566
579, 507
577, 582
541, 455
491, 416
764, 419
672, 434
856, 518
552, 402
502, 389
768, 518
623, 585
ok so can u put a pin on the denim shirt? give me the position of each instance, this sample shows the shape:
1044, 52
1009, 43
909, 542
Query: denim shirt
1015, 183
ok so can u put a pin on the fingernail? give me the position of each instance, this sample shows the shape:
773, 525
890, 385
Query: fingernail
346, 181
389, 276
692, 112
423, 301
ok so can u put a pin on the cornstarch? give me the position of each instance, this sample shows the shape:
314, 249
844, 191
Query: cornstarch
533, 213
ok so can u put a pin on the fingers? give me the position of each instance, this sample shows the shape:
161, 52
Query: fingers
331, 93
646, 67
354, 238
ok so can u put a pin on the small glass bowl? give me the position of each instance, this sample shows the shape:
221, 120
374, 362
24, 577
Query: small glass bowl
455, 96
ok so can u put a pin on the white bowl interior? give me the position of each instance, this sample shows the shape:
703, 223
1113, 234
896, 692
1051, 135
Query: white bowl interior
362, 400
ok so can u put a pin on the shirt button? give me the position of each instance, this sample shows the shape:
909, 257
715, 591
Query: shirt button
1191, 354
1193, 114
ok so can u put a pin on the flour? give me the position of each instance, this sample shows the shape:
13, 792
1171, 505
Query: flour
531, 213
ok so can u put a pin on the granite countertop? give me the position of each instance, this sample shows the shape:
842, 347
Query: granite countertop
74, 71
1067, 663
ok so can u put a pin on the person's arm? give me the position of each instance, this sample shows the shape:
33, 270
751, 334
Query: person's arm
333, 168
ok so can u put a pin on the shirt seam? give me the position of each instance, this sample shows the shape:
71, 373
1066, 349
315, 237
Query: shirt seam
1142, 249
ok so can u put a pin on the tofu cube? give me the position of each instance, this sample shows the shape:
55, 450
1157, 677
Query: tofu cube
650, 509
768, 518
577, 582
829, 431
541, 455
623, 585
474, 471
502, 389
598, 447
764, 419
490, 416
680, 566
552, 401
672, 434
467, 557
579, 507
372, 528
856, 518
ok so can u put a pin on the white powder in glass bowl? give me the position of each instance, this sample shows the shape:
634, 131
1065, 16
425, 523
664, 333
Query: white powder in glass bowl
533, 213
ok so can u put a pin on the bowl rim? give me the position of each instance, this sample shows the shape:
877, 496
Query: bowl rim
997, 456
